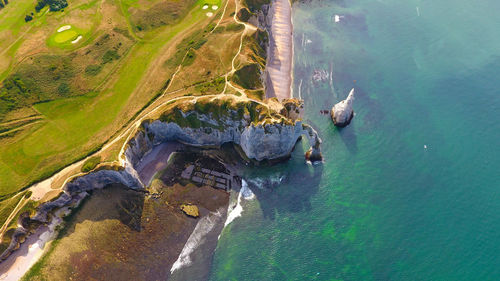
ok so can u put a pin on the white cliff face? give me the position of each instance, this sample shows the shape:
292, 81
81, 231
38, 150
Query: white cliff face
342, 112
259, 142
270, 142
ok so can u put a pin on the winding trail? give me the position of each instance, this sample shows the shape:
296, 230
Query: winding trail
44, 187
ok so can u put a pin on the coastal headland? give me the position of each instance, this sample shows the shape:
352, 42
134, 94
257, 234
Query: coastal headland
172, 153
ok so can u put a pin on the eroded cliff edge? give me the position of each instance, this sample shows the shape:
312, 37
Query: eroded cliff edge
263, 129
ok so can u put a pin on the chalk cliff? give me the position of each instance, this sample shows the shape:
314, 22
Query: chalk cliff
268, 140
342, 113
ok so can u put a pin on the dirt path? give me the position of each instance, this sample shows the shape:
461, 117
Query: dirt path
40, 189
18, 207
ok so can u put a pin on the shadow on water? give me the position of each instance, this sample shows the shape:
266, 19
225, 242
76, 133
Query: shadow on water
348, 137
286, 187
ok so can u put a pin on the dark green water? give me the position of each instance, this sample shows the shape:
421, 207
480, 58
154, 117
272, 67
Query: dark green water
382, 207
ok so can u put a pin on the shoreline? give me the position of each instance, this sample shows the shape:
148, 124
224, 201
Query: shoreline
201, 246
279, 65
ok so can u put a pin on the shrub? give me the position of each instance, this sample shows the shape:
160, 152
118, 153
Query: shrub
190, 56
248, 76
109, 56
91, 163
54, 5
235, 27
93, 69
63, 89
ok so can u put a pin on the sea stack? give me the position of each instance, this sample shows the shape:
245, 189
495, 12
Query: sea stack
342, 112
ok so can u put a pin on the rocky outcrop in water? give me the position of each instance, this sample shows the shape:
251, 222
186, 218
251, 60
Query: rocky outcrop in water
314, 153
320, 75
342, 113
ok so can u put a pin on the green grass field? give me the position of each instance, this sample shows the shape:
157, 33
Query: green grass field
74, 127
76, 97
65, 36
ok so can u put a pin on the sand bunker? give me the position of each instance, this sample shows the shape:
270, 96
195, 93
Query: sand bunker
209, 14
77, 39
63, 28
215, 7
205, 7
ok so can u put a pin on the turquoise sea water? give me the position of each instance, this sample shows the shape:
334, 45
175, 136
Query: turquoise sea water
381, 206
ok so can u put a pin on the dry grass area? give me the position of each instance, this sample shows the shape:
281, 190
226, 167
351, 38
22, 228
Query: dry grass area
120, 233
147, 15
185, 59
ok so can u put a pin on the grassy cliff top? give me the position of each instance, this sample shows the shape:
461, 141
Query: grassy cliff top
186, 113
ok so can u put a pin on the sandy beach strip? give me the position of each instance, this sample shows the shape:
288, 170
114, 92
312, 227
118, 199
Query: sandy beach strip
280, 57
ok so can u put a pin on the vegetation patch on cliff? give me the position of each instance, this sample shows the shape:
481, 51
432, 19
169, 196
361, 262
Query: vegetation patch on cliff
255, 5
248, 76
91, 163
220, 110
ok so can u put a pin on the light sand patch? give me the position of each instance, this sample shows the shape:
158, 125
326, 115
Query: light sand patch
205, 7
215, 7
279, 62
63, 28
77, 39
210, 14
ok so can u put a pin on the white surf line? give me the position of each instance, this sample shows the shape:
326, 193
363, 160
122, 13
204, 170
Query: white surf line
331, 77
197, 237
235, 211
418, 11
46, 185
300, 89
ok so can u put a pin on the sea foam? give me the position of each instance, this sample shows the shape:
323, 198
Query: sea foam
197, 237
235, 211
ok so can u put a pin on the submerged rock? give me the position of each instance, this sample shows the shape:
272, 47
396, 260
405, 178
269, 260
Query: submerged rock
342, 112
320, 75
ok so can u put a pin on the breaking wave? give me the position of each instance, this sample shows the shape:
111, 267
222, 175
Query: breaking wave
197, 237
